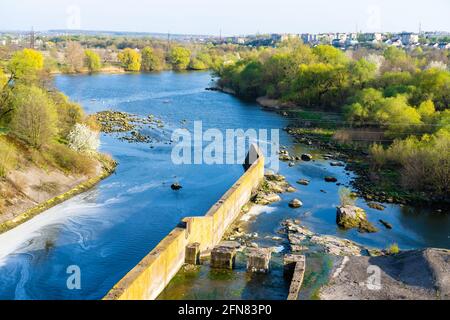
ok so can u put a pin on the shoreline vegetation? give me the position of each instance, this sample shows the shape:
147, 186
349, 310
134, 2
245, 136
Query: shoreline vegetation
356, 156
384, 112
49, 146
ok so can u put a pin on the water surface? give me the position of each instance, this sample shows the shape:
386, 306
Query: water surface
109, 229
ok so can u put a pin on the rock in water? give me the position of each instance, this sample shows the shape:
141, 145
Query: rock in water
295, 204
349, 217
176, 186
386, 224
330, 179
303, 182
306, 157
376, 206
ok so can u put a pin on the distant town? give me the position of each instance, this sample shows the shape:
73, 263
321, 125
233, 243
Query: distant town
345, 40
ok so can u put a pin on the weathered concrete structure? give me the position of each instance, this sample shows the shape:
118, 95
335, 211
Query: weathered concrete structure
153, 273
223, 257
193, 253
258, 260
294, 265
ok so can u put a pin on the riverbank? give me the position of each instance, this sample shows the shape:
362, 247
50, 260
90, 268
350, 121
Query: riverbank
53, 197
321, 130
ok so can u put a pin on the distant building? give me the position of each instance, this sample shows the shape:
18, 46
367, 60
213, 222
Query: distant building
372, 37
409, 38
309, 38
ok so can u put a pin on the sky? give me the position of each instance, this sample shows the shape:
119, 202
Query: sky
229, 17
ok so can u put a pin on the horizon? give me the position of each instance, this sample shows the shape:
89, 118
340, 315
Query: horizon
201, 17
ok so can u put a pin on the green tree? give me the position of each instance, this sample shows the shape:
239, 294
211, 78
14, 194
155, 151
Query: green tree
92, 61
34, 118
201, 61
24, 65
130, 59
152, 59
179, 58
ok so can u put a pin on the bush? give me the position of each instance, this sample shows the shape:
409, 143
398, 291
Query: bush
393, 249
8, 157
83, 139
70, 161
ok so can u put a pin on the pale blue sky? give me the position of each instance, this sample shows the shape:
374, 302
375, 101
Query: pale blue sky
231, 16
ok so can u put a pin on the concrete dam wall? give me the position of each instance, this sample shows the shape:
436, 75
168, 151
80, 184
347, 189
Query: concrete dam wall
152, 274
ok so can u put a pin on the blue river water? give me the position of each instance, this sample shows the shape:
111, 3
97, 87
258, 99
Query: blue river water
109, 229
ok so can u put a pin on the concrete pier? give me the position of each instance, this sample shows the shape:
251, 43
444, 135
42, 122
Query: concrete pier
258, 260
223, 256
294, 265
193, 253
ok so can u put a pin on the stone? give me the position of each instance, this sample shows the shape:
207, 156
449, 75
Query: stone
291, 189
193, 253
295, 203
330, 179
303, 182
386, 224
307, 157
348, 217
291, 164
258, 260
376, 206
265, 199
223, 257
176, 186
337, 164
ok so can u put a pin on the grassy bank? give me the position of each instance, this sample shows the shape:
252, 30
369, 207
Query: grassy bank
107, 170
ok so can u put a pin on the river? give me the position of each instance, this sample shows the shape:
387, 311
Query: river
109, 229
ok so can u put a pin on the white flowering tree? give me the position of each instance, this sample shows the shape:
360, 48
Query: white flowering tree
83, 139
437, 65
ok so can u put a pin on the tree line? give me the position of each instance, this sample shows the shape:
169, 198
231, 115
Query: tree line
406, 95
39, 124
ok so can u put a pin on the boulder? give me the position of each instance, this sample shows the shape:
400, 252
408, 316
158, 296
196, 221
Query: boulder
306, 157
303, 182
330, 179
176, 186
376, 206
337, 164
386, 224
265, 199
295, 203
349, 217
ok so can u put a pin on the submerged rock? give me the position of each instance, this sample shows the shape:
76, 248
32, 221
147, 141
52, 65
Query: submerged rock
349, 217
330, 179
307, 157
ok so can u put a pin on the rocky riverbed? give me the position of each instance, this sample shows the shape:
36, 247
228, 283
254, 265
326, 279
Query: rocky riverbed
129, 127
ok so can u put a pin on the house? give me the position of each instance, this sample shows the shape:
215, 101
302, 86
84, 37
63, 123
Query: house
372, 37
409, 38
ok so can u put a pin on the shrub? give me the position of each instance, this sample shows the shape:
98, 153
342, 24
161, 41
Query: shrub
393, 249
83, 139
8, 157
71, 161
